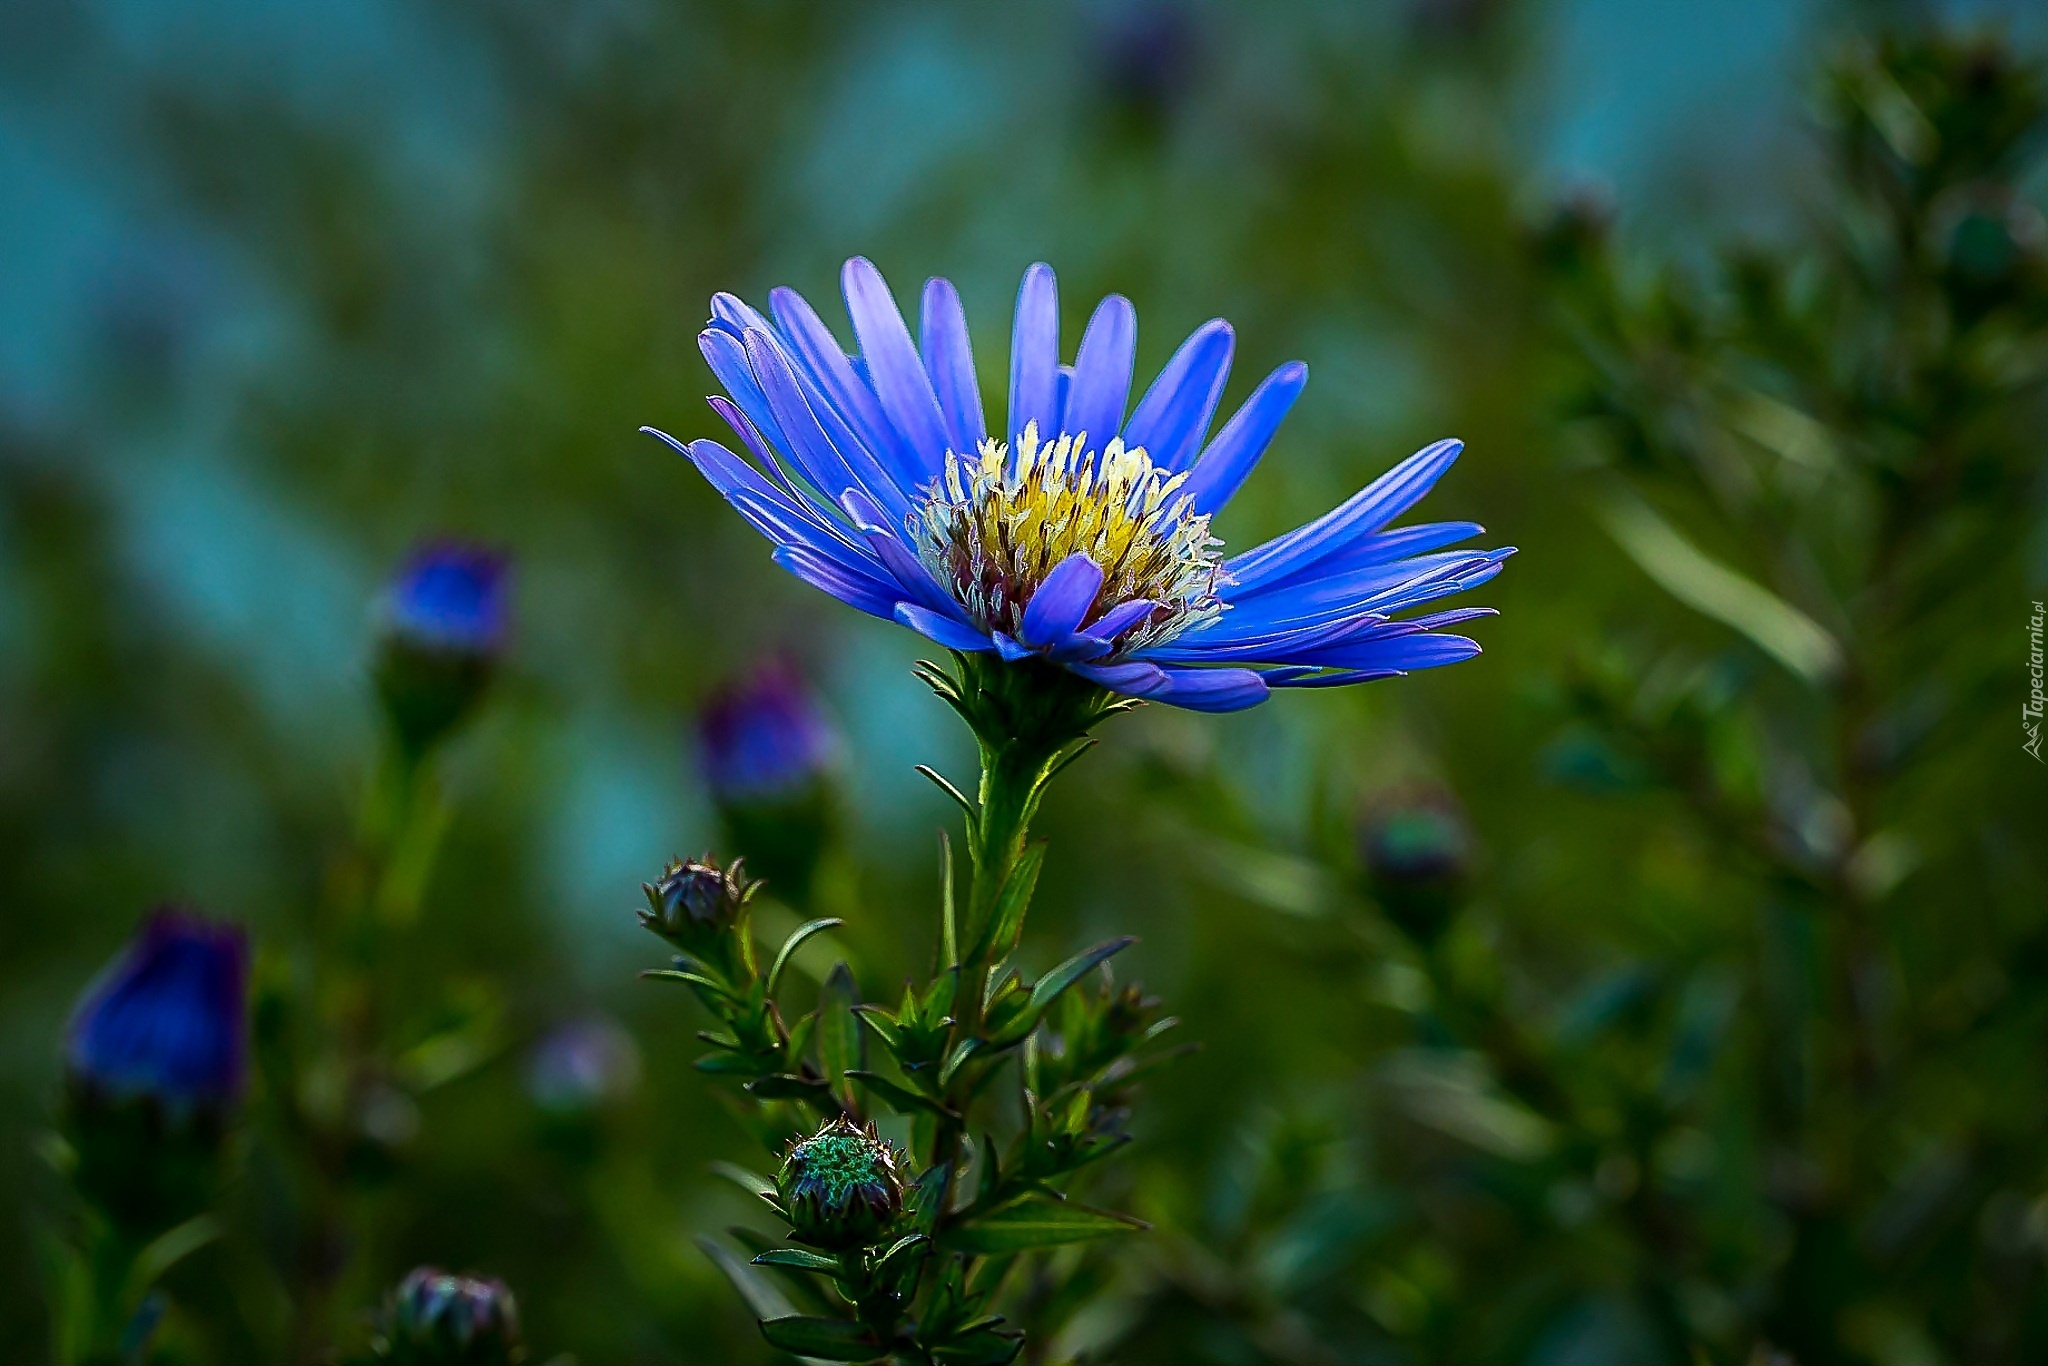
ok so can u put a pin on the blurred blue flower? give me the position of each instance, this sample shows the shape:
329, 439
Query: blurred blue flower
582, 1065
167, 1021
1082, 539
452, 596
763, 736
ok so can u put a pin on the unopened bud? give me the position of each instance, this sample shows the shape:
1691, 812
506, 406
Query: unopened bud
438, 1319
445, 621
695, 902
155, 1063
841, 1186
1417, 854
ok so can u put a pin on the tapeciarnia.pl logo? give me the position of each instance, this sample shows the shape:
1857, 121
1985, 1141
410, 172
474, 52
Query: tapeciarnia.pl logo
2030, 714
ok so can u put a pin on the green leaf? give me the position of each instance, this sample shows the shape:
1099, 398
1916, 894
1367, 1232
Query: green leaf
884, 1025
980, 1347
1036, 1221
841, 1044
825, 1339
784, 1086
794, 942
1710, 587
945, 785
734, 1064
899, 1098
753, 1183
693, 978
1006, 917
949, 919
761, 1295
800, 1259
1073, 970
962, 1051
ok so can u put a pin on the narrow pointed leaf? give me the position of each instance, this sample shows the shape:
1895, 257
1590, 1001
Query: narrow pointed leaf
1033, 1222
824, 1339
1006, 917
899, 1098
798, 1258
784, 1086
795, 942
1074, 969
842, 1047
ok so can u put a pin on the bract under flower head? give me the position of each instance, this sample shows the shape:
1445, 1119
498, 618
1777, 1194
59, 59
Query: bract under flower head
1083, 540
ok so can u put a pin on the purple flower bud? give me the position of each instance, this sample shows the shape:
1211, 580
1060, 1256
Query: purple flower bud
583, 1065
764, 738
168, 1020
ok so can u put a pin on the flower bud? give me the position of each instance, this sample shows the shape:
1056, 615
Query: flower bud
695, 902
767, 753
841, 1186
438, 1319
1418, 854
155, 1064
446, 617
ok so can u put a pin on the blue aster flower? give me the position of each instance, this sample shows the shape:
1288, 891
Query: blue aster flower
1079, 533
168, 1020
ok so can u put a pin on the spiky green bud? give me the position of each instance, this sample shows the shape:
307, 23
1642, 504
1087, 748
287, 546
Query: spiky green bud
842, 1186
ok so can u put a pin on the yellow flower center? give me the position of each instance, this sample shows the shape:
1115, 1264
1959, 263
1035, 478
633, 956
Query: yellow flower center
993, 526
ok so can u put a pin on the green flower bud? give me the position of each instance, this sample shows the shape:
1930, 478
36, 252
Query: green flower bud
437, 1319
695, 902
1418, 854
841, 1186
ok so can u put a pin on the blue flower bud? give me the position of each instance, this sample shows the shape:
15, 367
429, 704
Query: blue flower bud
438, 1319
446, 618
155, 1064
168, 1020
841, 1186
764, 738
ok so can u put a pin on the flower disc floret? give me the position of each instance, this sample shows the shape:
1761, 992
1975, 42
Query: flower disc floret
994, 527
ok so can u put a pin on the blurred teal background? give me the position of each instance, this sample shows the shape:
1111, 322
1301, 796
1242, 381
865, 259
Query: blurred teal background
287, 287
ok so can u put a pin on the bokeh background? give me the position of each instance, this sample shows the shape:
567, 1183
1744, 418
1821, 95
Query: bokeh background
285, 288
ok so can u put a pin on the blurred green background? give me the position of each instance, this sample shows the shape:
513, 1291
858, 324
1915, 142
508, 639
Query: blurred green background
287, 287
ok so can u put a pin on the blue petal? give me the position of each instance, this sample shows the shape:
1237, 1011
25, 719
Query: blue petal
833, 465
855, 590
1102, 372
1384, 547
1299, 677
1035, 355
1009, 649
898, 373
1379, 588
837, 377
943, 630
1062, 601
1173, 417
1079, 648
1222, 469
767, 508
949, 359
1122, 618
1133, 679
736, 314
1211, 689
1366, 511
1424, 651
907, 569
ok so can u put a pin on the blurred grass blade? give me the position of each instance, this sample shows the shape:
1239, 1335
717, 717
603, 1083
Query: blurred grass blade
1711, 588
